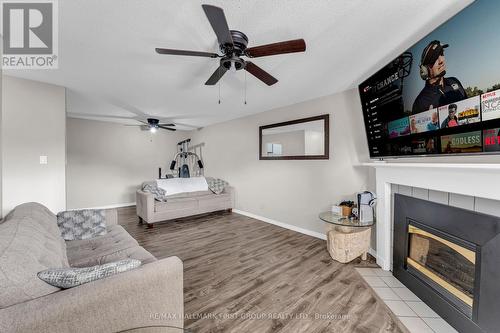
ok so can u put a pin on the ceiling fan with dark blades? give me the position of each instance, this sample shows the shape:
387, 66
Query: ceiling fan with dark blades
148, 124
153, 124
233, 46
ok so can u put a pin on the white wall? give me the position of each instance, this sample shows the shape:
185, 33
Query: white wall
107, 162
1, 107
293, 192
33, 124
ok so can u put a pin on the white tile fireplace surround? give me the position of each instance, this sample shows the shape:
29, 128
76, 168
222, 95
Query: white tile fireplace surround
469, 186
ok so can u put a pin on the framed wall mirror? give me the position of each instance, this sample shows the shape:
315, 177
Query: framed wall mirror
300, 139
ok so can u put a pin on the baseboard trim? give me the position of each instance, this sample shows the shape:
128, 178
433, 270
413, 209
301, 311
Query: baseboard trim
294, 228
128, 204
282, 224
373, 253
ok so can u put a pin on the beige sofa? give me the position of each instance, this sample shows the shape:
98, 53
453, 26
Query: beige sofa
180, 205
30, 241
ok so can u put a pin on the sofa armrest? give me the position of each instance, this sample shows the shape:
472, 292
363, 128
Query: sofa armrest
111, 216
231, 191
145, 205
149, 295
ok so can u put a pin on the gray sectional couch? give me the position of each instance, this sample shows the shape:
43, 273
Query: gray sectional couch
30, 241
181, 205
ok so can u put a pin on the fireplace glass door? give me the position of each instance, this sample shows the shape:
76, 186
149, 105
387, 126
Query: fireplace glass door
445, 264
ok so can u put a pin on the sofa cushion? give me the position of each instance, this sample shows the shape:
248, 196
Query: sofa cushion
134, 252
82, 224
71, 277
214, 202
188, 195
26, 248
176, 204
116, 239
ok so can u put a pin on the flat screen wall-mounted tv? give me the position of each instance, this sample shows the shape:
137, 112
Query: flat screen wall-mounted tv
442, 96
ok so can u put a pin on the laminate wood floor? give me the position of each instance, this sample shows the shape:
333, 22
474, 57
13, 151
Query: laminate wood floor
245, 275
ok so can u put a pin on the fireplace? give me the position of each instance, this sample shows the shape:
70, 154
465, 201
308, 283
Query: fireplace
450, 258
443, 262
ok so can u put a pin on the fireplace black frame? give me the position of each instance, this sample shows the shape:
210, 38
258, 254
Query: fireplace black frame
477, 274
481, 230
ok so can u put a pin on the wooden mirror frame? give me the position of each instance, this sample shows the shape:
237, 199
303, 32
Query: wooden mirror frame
325, 156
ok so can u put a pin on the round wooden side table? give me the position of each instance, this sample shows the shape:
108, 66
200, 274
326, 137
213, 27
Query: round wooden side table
346, 239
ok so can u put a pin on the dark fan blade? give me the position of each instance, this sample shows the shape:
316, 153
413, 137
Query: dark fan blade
167, 128
186, 53
260, 73
166, 124
291, 46
218, 21
219, 72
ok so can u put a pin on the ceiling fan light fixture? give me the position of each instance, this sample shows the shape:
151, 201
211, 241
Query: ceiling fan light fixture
153, 129
233, 46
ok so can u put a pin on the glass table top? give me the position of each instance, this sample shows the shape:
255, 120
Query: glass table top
337, 219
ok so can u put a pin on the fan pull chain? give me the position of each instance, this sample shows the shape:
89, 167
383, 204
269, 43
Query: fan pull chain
245, 87
219, 83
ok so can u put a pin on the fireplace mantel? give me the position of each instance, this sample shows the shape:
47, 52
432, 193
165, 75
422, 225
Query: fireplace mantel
478, 180
476, 166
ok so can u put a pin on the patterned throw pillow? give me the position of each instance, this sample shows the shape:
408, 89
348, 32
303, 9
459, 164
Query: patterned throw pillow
216, 185
71, 277
82, 224
158, 193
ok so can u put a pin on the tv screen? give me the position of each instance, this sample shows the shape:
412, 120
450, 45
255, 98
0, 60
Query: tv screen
441, 96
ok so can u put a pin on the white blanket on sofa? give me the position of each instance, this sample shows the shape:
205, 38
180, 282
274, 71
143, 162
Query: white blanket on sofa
181, 185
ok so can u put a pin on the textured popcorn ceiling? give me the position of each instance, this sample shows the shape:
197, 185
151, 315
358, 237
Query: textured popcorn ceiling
107, 59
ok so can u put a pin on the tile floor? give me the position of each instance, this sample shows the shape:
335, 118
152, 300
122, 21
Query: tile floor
417, 316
